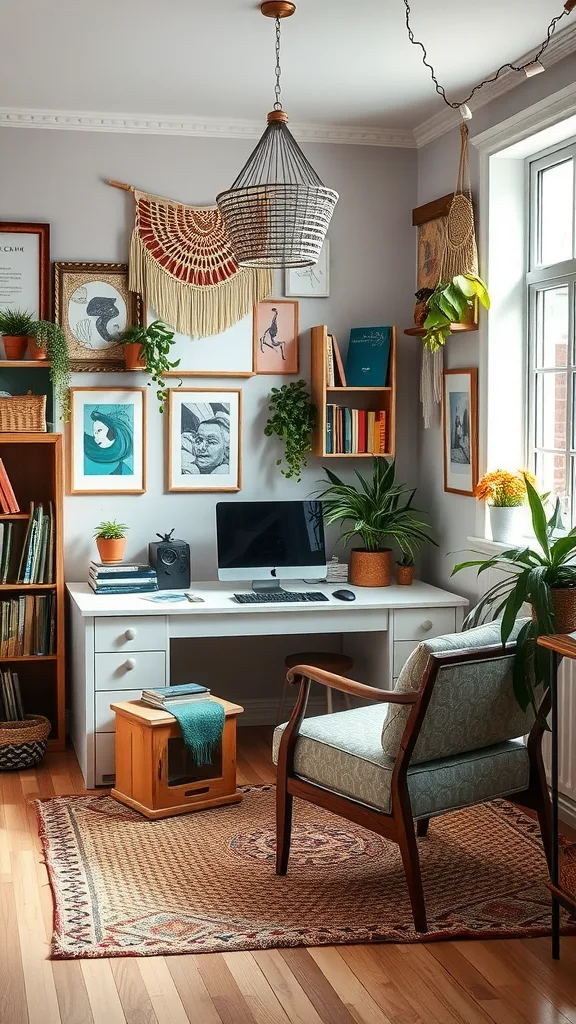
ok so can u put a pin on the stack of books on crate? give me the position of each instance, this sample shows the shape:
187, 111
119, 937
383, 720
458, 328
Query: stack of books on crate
355, 431
27, 625
126, 578
8, 503
166, 696
11, 706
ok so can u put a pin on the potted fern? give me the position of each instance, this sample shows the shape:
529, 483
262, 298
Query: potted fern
111, 541
148, 348
379, 511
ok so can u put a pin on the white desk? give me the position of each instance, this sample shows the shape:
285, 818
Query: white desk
121, 644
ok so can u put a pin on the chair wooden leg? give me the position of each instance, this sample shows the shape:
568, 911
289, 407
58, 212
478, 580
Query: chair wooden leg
422, 827
283, 826
411, 861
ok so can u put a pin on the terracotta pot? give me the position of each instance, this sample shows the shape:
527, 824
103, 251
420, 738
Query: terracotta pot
564, 605
132, 356
404, 575
370, 568
420, 312
36, 351
111, 551
15, 347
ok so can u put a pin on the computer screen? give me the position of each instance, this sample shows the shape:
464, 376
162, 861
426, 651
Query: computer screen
261, 540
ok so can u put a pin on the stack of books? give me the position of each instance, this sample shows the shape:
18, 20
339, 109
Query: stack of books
355, 431
27, 625
166, 696
127, 578
337, 571
11, 707
8, 503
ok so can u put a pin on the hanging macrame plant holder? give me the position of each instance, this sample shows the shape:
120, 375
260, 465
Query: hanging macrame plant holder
459, 256
181, 260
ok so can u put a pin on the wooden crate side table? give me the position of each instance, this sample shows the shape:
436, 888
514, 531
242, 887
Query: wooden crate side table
144, 738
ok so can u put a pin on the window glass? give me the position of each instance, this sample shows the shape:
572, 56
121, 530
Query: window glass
556, 191
552, 323
551, 411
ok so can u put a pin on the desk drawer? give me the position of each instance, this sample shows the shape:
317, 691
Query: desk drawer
139, 633
142, 670
104, 718
422, 623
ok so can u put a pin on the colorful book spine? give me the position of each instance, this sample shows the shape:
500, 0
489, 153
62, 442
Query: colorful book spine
8, 496
329, 362
339, 364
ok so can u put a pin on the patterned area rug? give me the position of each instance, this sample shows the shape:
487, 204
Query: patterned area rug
205, 882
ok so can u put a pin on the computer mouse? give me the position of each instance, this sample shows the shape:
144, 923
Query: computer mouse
344, 595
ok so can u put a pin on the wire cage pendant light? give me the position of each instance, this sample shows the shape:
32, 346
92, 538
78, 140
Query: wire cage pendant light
278, 210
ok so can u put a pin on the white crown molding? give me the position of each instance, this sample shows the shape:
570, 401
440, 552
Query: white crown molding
562, 45
210, 127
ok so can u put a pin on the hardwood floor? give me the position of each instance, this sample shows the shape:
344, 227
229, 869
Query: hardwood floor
510, 982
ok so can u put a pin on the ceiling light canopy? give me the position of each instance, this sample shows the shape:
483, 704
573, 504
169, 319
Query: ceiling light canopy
278, 210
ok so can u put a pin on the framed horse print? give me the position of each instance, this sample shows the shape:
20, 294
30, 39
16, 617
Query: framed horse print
276, 336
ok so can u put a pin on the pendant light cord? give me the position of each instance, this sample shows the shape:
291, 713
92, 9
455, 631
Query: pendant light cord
568, 7
278, 69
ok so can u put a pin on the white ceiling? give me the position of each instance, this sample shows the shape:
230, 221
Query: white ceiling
345, 62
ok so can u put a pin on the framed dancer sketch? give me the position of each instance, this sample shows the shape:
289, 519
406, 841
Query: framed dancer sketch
276, 336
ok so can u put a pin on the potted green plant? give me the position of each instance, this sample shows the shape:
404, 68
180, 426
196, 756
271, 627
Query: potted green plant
543, 576
111, 541
292, 421
452, 302
148, 348
16, 328
48, 341
405, 569
379, 511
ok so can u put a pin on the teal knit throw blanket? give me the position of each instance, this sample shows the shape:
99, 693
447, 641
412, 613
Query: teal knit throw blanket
201, 724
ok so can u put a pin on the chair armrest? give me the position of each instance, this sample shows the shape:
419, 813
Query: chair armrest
318, 675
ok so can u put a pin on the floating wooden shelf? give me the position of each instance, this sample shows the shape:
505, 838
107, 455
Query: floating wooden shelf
31, 657
14, 515
24, 364
357, 455
342, 390
419, 332
27, 586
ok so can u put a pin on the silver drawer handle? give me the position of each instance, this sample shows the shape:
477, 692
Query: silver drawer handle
427, 625
130, 634
129, 664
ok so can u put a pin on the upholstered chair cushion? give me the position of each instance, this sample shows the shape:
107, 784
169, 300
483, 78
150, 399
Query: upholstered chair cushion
472, 705
343, 753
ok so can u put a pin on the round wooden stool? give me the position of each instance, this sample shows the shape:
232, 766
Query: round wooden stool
340, 664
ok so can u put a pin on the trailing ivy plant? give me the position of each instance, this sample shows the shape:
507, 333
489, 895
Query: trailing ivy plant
452, 302
293, 419
51, 337
155, 341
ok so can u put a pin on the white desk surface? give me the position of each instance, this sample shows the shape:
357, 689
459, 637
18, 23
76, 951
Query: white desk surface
218, 599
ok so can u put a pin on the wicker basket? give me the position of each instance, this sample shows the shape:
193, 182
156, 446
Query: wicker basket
567, 868
23, 744
23, 414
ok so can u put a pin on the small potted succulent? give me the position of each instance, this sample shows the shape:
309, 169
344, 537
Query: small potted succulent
17, 329
505, 492
405, 570
148, 348
111, 541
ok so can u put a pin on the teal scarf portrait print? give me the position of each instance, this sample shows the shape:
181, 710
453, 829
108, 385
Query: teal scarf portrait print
109, 440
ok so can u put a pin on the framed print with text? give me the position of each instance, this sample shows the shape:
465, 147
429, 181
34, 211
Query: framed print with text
107, 440
204, 439
94, 306
460, 419
25, 268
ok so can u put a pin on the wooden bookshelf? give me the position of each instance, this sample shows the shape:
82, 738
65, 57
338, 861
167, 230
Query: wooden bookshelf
369, 398
33, 463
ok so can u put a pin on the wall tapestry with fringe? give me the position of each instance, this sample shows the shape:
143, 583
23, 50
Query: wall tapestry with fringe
182, 262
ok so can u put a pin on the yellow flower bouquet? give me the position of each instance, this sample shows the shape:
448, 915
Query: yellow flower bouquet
503, 488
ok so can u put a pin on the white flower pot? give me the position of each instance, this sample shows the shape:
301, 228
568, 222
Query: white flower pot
506, 523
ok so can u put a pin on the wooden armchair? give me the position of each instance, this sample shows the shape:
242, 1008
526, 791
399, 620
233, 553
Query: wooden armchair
448, 736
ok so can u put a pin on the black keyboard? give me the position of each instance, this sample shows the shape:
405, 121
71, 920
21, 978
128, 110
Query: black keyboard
280, 597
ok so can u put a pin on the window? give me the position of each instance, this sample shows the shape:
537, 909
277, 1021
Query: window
551, 288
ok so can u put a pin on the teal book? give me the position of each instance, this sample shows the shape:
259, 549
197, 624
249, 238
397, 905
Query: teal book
368, 356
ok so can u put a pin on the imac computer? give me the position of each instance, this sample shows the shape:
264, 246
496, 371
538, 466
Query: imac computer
268, 541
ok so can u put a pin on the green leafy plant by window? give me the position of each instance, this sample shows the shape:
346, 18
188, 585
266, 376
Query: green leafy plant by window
293, 418
155, 343
20, 324
111, 530
531, 576
452, 302
379, 510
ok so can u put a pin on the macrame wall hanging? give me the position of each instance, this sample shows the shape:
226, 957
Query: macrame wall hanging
182, 261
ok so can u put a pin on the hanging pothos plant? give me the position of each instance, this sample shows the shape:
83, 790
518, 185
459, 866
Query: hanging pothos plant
453, 302
292, 421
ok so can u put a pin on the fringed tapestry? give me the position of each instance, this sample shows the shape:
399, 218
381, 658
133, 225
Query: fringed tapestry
182, 261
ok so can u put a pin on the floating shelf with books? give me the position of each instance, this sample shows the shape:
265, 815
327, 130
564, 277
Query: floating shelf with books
419, 332
32, 578
353, 421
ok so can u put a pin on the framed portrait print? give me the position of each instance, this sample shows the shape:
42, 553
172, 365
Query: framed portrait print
94, 306
310, 282
204, 439
229, 354
25, 268
107, 441
460, 419
276, 336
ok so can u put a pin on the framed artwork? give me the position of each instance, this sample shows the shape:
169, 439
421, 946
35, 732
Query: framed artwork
310, 282
276, 336
25, 268
460, 406
108, 441
430, 220
94, 306
204, 439
229, 354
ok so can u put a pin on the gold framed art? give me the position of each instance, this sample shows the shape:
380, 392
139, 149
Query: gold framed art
204, 439
94, 306
107, 441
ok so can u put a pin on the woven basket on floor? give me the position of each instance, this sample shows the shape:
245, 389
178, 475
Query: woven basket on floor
23, 414
23, 744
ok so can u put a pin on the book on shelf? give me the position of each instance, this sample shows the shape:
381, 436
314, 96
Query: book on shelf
131, 587
136, 569
335, 375
368, 356
36, 561
338, 364
27, 626
355, 431
330, 378
11, 705
8, 502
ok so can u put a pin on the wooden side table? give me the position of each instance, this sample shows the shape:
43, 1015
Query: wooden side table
561, 646
154, 771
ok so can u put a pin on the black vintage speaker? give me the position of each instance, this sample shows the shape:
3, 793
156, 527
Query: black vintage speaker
171, 559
